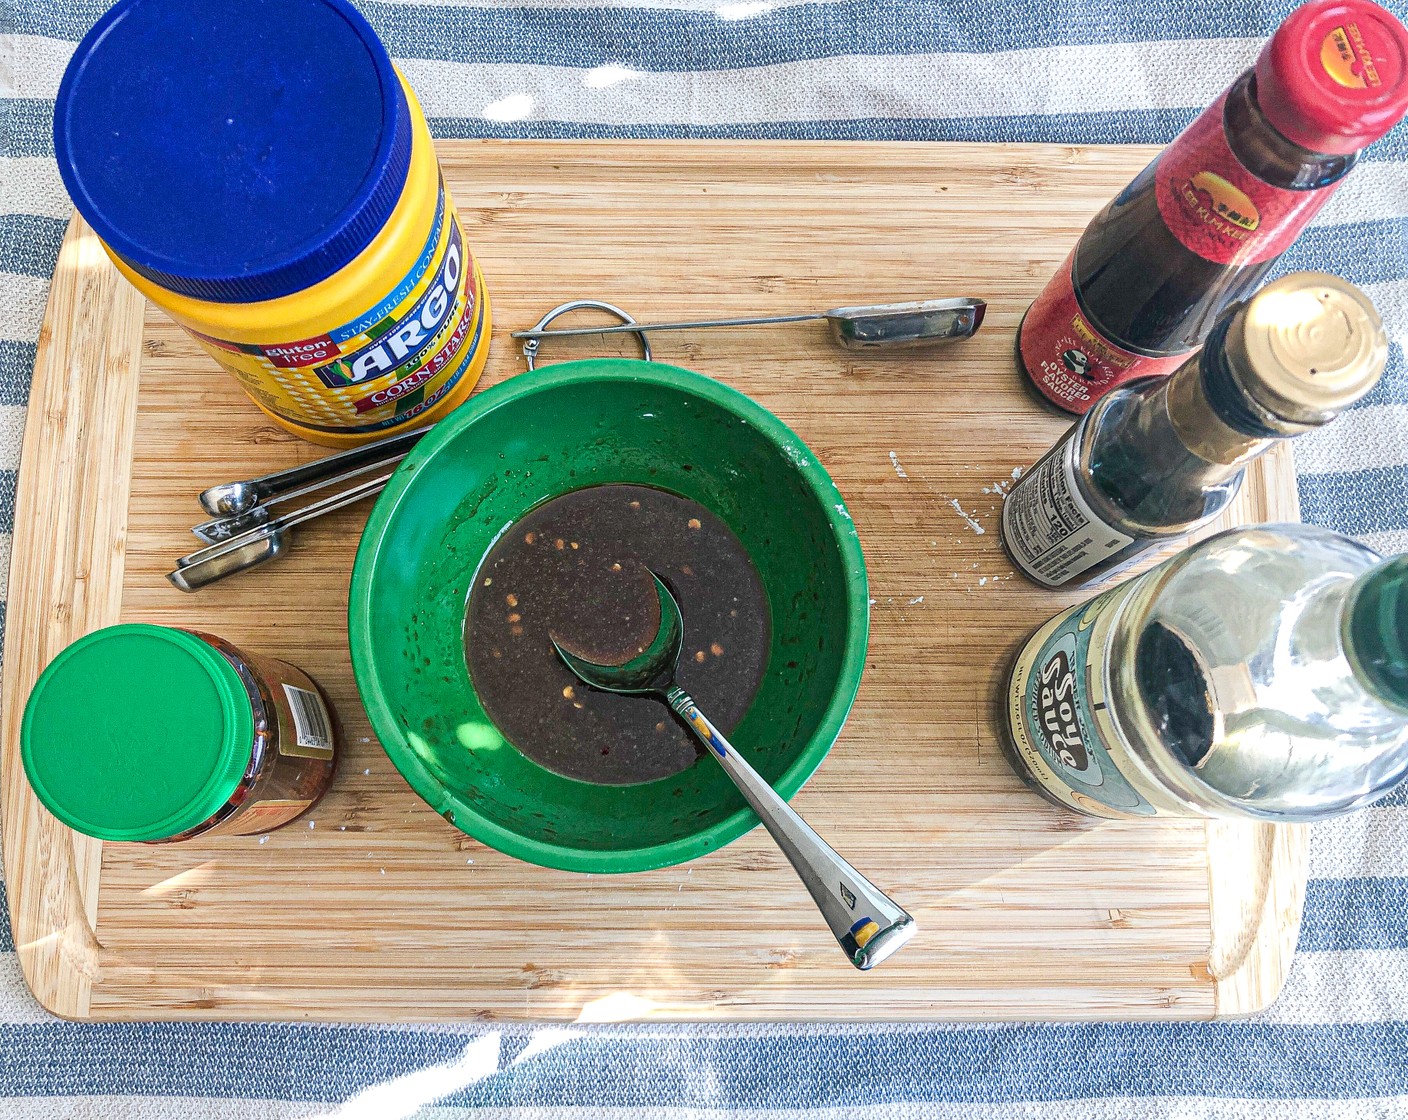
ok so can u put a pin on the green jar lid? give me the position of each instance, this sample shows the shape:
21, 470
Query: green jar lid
1377, 630
137, 732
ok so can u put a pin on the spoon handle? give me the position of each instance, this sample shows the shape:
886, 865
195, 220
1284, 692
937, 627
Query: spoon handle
867, 923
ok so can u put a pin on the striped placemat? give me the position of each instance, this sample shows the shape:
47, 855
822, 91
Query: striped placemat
1335, 1045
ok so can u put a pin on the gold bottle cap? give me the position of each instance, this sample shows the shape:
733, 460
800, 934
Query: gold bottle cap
1306, 347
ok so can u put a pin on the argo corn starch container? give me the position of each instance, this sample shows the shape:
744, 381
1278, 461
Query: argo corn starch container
260, 171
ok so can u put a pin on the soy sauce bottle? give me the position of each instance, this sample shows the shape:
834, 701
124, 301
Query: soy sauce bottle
1200, 226
1159, 457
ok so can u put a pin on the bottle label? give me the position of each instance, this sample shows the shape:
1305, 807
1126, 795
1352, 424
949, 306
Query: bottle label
1067, 358
1049, 528
389, 364
1220, 210
1058, 715
1348, 57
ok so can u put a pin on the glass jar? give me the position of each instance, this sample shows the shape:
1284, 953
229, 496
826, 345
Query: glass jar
153, 734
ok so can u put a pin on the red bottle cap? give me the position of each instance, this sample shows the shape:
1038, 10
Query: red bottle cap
1334, 77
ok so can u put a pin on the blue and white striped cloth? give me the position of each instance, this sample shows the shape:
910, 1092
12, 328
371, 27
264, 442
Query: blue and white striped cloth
1335, 1045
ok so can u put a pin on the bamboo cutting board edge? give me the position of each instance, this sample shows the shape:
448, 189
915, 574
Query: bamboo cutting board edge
70, 537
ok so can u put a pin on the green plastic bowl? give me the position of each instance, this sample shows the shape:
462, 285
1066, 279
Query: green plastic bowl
540, 435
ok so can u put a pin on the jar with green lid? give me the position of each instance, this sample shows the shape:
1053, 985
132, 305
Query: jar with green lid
153, 734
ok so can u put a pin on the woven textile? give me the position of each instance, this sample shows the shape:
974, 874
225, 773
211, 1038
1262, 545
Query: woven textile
1335, 1045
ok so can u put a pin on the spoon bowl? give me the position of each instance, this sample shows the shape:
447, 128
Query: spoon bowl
650, 671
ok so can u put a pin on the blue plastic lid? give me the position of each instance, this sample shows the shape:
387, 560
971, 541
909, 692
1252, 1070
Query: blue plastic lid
233, 150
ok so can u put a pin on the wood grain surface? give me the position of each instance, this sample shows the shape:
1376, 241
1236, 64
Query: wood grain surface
376, 909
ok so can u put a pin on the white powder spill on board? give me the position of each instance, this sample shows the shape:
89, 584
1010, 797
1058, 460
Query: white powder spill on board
895, 462
916, 599
1016, 473
972, 524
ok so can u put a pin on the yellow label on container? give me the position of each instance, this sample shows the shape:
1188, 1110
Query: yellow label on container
391, 363
1347, 58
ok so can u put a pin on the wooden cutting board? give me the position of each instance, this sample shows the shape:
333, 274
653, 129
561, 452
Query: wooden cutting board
376, 909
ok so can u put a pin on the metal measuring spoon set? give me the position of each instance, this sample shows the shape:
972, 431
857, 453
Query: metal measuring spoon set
252, 520
254, 517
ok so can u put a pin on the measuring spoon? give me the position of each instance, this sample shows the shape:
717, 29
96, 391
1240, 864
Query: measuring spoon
216, 561
231, 498
221, 529
889, 325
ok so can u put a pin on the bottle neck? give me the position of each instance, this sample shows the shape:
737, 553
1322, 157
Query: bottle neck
1158, 458
1374, 628
1202, 427
1266, 153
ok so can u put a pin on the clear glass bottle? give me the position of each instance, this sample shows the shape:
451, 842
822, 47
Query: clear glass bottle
1262, 673
1160, 457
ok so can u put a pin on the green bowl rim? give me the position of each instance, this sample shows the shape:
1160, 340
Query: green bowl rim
546, 378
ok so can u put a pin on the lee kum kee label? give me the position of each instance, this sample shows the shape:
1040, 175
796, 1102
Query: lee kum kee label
1219, 209
1069, 360
1348, 59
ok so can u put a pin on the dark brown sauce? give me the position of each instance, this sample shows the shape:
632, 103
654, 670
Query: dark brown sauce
576, 567
1176, 692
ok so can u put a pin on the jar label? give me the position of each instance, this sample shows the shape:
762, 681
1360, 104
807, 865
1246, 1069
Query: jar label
1058, 715
1050, 530
312, 728
262, 816
388, 365
1067, 358
1219, 209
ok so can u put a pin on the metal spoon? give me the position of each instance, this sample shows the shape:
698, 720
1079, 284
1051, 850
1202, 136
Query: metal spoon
221, 529
230, 498
216, 561
868, 925
855, 328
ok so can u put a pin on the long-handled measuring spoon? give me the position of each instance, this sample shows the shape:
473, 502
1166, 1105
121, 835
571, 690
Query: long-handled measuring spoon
868, 925
220, 529
216, 561
231, 498
922, 323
